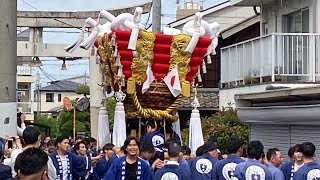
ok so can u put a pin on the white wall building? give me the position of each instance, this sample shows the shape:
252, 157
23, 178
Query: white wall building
273, 80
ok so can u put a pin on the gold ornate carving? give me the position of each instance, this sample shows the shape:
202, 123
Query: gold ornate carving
104, 56
144, 56
178, 56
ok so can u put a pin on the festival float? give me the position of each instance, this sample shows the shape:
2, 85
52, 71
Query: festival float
150, 73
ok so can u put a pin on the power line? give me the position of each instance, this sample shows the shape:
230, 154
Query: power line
30, 5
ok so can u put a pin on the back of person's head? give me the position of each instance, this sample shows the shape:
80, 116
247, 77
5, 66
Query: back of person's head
307, 149
130, 138
152, 124
147, 147
31, 135
186, 150
60, 139
171, 141
174, 150
233, 144
200, 151
255, 150
32, 162
108, 146
271, 153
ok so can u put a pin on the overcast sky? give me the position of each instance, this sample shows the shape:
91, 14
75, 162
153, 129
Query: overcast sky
66, 36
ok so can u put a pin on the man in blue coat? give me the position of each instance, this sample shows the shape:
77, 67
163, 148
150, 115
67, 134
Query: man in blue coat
202, 167
289, 168
224, 169
310, 169
172, 170
154, 137
130, 166
67, 164
274, 158
103, 165
253, 169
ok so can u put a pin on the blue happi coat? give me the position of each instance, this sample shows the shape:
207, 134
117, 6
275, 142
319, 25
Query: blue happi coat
224, 169
252, 170
156, 138
308, 171
101, 168
202, 167
117, 170
172, 171
276, 173
78, 166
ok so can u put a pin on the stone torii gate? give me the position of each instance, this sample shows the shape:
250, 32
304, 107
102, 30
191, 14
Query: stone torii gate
36, 21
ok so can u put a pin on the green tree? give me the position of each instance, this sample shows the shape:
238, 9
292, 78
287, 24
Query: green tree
48, 121
223, 124
83, 89
65, 120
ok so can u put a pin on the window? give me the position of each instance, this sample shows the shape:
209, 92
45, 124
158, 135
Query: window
59, 97
297, 22
49, 97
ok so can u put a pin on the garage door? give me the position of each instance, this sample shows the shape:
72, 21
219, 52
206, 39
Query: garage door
272, 136
300, 134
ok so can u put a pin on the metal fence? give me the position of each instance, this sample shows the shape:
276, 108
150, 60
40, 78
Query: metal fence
24, 70
288, 57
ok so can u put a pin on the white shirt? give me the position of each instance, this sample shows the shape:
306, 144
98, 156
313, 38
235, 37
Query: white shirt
20, 130
64, 164
51, 169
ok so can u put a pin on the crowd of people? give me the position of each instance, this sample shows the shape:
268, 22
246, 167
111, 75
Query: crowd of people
151, 158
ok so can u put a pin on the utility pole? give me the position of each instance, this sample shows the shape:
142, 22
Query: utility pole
8, 68
156, 16
38, 93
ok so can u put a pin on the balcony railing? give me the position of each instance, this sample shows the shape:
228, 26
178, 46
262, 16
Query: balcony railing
25, 107
286, 57
24, 70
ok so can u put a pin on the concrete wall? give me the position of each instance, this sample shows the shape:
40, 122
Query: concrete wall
45, 106
274, 14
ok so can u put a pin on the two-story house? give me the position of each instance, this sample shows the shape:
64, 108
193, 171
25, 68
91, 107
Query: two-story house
273, 79
51, 96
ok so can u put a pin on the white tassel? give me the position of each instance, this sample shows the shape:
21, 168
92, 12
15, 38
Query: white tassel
119, 126
209, 61
195, 131
115, 53
204, 68
199, 75
123, 82
118, 62
75, 45
113, 39
103, 128
120, 71
199, 78
91, 39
